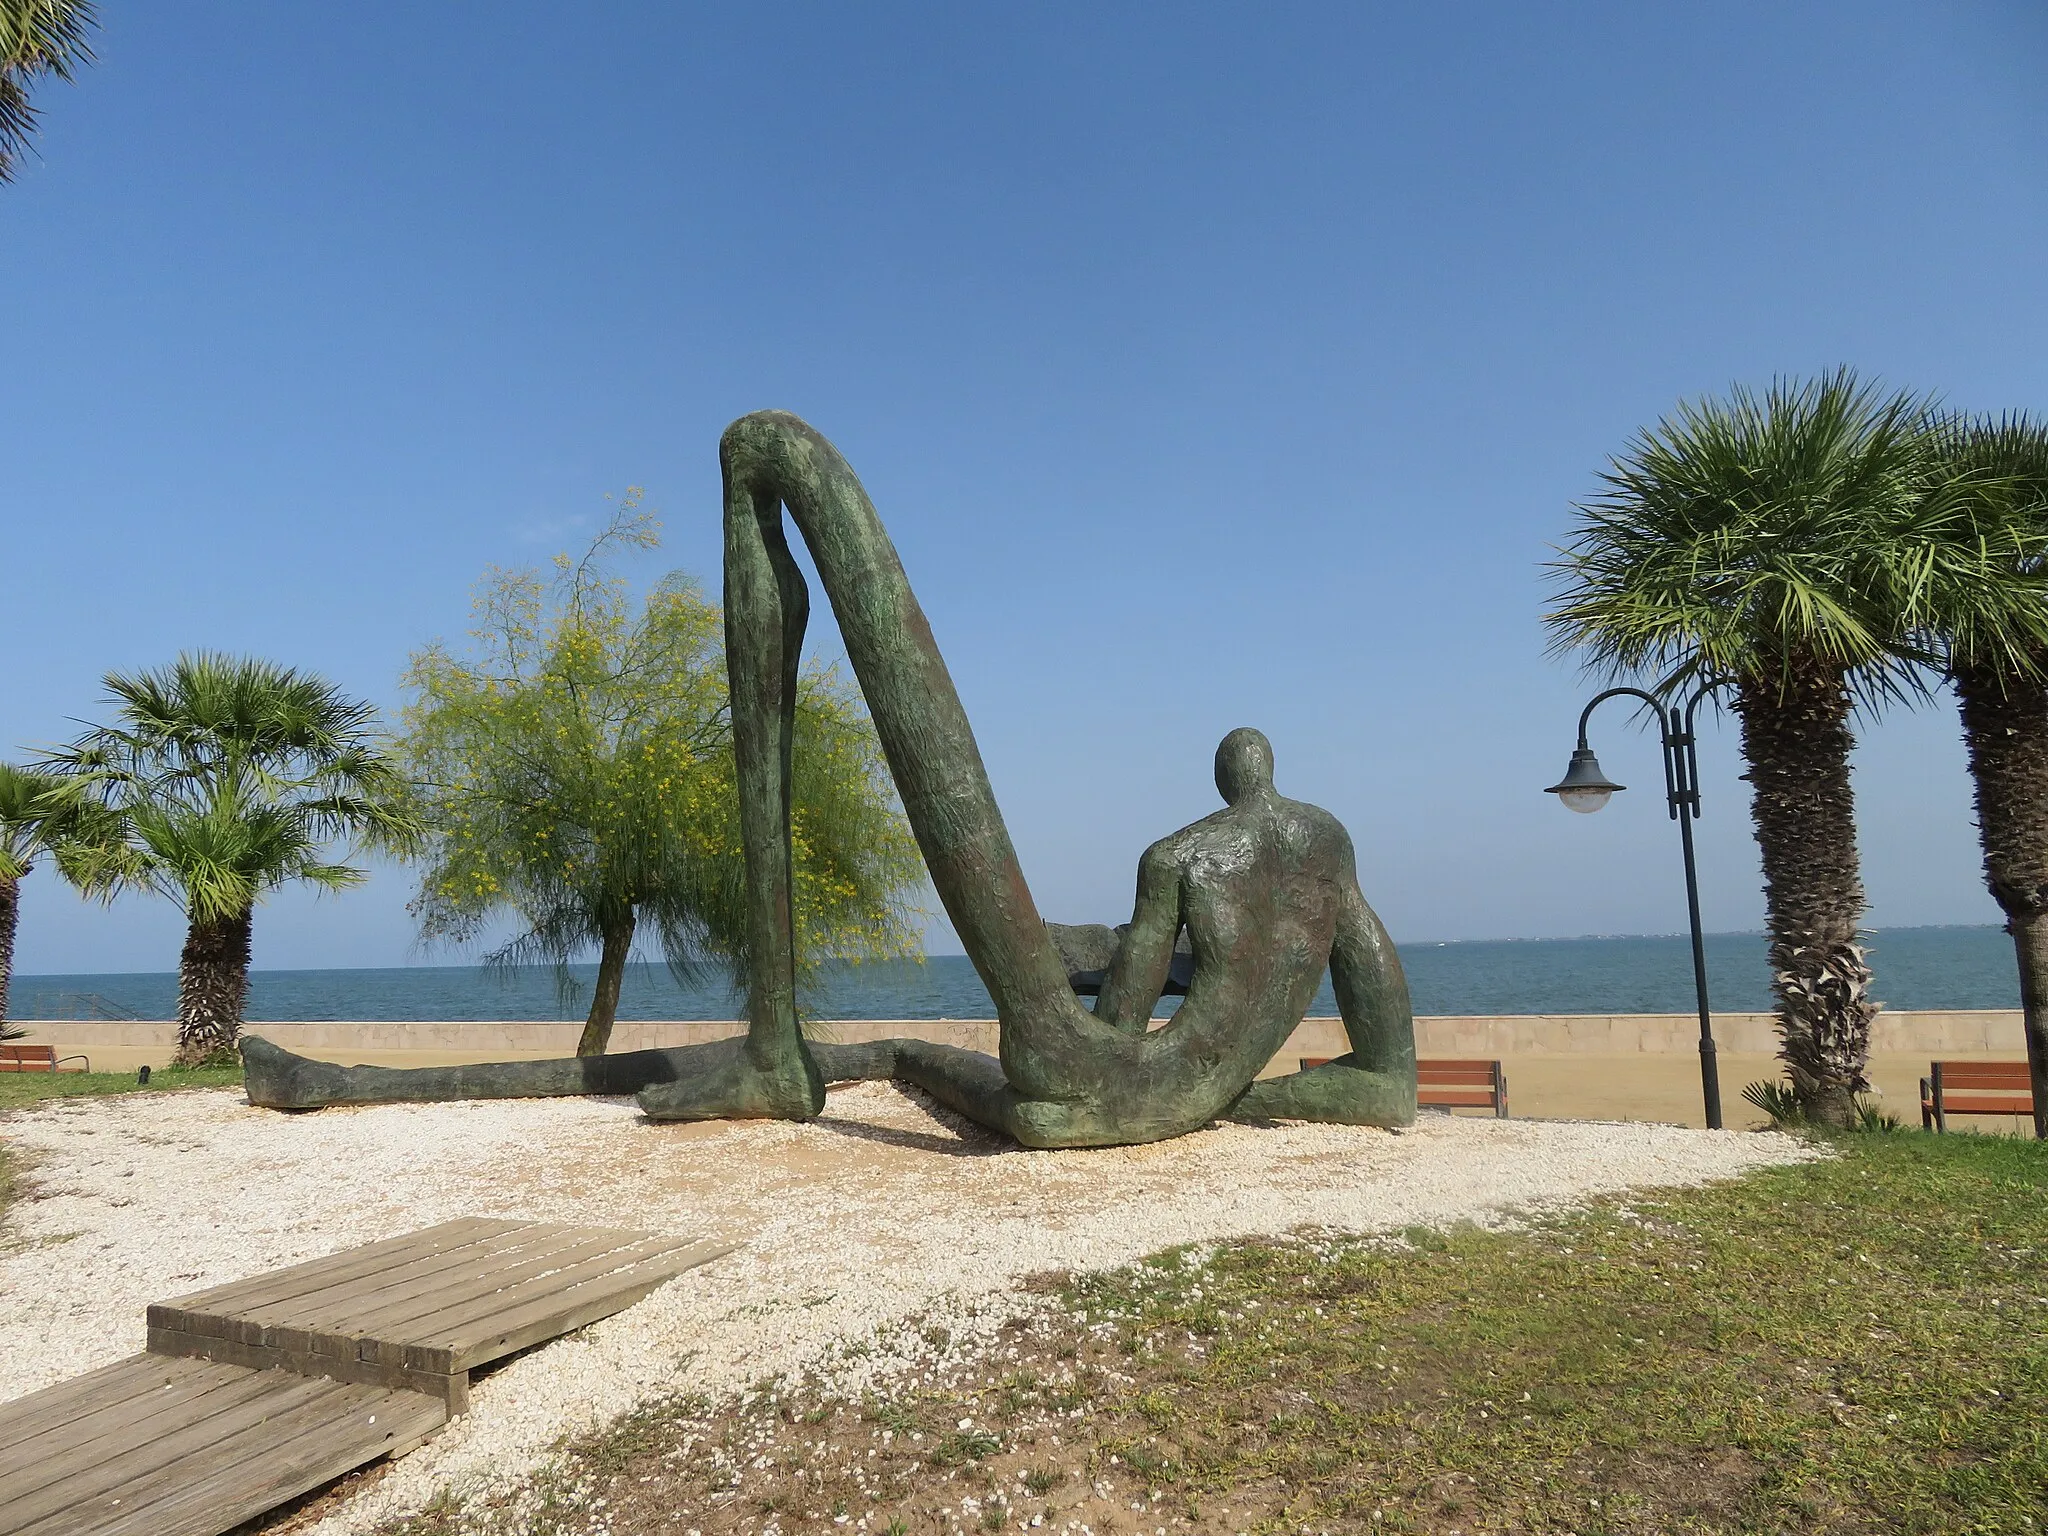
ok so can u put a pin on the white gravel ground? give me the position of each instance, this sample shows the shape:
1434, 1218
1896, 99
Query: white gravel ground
882, 1209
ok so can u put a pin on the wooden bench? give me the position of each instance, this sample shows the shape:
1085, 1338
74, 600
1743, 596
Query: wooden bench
1451, 1084
38, 1058
1974, 1088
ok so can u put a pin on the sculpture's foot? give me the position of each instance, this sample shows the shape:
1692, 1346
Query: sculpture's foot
1336, 1093
276, 1079
726, 1081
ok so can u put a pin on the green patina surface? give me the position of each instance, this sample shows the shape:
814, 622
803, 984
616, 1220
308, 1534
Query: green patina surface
1266, 890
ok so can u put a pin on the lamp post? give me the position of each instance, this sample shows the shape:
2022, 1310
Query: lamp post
1584, 788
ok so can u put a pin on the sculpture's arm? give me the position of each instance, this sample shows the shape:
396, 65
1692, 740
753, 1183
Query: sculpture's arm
1371, 988
1138, 973
1374, 1084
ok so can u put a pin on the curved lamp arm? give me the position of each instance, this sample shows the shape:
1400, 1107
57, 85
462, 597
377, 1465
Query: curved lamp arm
1598, 699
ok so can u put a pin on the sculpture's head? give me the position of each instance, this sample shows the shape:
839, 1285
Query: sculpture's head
1244, 764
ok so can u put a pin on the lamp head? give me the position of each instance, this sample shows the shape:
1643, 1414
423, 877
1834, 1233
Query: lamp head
1584, 788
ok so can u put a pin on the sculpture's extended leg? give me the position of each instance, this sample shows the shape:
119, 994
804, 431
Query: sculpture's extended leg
1375, 1083
277, 1079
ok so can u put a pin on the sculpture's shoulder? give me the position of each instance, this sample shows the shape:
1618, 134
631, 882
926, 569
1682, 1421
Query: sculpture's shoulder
1178, 848
1312, 829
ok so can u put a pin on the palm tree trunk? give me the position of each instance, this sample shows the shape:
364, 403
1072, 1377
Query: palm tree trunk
611, 974
2005, 728
1796, 738
10, 918
213, 986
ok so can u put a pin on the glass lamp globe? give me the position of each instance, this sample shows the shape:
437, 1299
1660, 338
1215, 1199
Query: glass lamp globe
1584, 788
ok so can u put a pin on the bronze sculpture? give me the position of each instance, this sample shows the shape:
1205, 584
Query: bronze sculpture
1265, 888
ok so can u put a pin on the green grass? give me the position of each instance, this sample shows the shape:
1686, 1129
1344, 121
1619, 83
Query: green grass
1856, 1345
19, 1088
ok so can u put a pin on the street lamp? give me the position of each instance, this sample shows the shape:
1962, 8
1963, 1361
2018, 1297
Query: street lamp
1584, 788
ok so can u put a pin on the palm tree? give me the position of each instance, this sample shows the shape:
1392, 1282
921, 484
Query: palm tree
224, 779
37, 37
26, 800
1994, 634
1781, 543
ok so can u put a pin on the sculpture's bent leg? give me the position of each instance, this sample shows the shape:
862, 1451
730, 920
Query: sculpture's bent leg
1339, 1092
1373, 1084
278, 1079
973, 1084
976, 1086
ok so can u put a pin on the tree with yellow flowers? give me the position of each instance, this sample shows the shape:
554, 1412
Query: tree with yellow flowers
575, 770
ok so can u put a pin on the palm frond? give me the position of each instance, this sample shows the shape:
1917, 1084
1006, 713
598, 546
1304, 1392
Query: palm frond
221, 779
1754, 535
37, 38
1987, 606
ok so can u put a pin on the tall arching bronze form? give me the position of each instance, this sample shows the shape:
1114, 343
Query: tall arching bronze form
1265, 888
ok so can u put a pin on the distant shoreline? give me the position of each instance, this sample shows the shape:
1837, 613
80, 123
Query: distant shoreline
1949, 967
956, 954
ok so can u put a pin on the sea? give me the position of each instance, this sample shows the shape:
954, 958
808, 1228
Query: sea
1951, 967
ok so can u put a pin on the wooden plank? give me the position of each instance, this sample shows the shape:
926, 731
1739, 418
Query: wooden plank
452, 1389
73, 1399
471, 1314
42, 1458
1432, 1070
274, 1287
261, 1324
337, 1318
283, 1460
286, 1282
254, 1467
564, 1312
1455, 1098
88, 1486
424, 1271
1977, 1105
1983, 1074
319, 1274
393, 1317
307, 1322
192, 1438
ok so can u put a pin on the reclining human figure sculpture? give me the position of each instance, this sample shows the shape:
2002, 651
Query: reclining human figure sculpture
1266, 889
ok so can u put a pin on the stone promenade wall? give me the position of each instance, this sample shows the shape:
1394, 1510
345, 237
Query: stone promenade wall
1921, 1033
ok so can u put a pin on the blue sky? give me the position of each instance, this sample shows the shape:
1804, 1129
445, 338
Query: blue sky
1210, 366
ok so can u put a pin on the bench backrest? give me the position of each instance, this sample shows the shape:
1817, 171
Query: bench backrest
32, 1058
1449, 1083
1983, 1076
1437, 1070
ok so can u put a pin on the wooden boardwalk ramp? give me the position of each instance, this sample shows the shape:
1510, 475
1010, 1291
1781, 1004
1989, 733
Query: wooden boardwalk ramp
255, 1392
